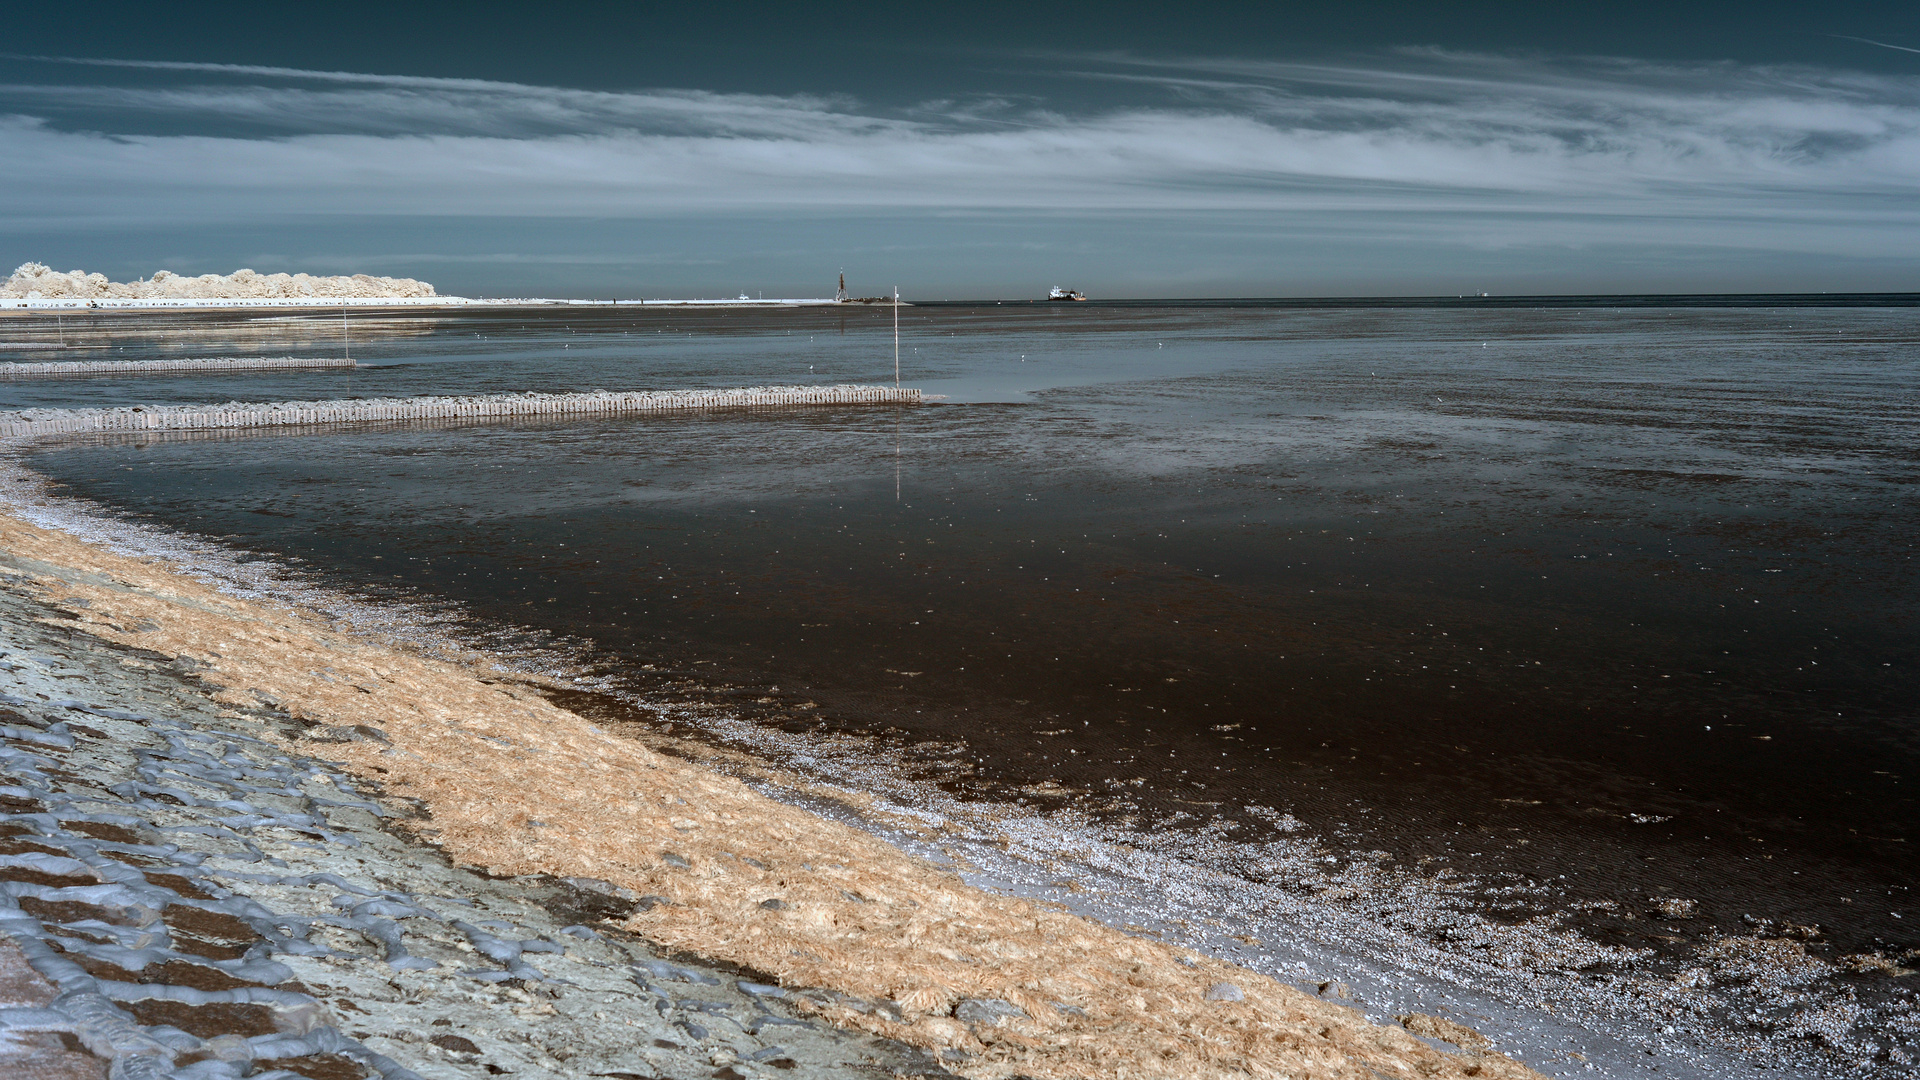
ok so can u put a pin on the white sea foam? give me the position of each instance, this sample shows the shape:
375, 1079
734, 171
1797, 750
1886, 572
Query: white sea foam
36, 281
30, 423
208, 365
37, 286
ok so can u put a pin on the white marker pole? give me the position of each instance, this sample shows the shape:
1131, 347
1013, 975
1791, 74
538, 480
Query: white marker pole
896, 386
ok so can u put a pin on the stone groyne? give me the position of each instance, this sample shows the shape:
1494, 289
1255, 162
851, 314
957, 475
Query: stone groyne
165, 367
29, 423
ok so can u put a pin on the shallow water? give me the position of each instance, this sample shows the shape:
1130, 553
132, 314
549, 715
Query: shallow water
1623, 600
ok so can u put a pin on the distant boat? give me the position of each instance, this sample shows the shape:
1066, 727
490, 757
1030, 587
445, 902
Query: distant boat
1058, 293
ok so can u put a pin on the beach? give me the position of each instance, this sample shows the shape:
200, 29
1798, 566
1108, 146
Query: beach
482, 767
1339, 647
661, 545
184, 897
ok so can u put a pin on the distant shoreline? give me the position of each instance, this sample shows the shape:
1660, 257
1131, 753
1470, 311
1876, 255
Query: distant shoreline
1569, 300
1597, 300
326, 303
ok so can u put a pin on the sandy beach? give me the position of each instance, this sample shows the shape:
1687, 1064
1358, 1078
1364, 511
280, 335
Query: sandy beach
483, 767
688, 653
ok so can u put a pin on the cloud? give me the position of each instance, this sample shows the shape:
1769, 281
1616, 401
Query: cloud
1870, 41
293, 100
1414, 138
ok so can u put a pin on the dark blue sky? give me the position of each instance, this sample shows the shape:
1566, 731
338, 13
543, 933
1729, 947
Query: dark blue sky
985, 150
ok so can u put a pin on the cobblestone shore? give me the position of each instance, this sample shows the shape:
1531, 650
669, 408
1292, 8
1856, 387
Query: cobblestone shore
179, 897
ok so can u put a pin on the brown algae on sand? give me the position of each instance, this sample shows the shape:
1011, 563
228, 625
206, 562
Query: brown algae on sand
512, 783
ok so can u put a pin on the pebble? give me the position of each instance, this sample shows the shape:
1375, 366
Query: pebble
1225, 991
988, 1011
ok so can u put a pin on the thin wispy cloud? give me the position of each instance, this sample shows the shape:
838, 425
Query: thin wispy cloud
421, 105
302, 74
1517, 143
1870, 41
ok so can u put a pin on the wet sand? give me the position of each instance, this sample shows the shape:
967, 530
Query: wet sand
503, 779
1321, 551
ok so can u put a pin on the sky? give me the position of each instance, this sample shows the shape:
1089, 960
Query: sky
973, 151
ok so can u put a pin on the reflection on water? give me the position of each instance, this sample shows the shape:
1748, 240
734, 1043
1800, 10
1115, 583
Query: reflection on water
1624, 597
109, 335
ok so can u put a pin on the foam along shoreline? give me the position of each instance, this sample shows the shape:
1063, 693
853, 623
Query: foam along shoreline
855, 931
209, 365
30, 423
38, 287
336, 302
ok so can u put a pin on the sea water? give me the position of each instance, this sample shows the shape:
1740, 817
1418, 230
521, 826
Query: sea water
1616, 608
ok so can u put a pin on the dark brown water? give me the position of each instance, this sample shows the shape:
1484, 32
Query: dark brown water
1624, 600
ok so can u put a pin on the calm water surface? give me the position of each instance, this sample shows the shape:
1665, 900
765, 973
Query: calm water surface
1622, 598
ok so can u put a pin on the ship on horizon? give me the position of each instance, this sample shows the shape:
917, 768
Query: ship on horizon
1058, 293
